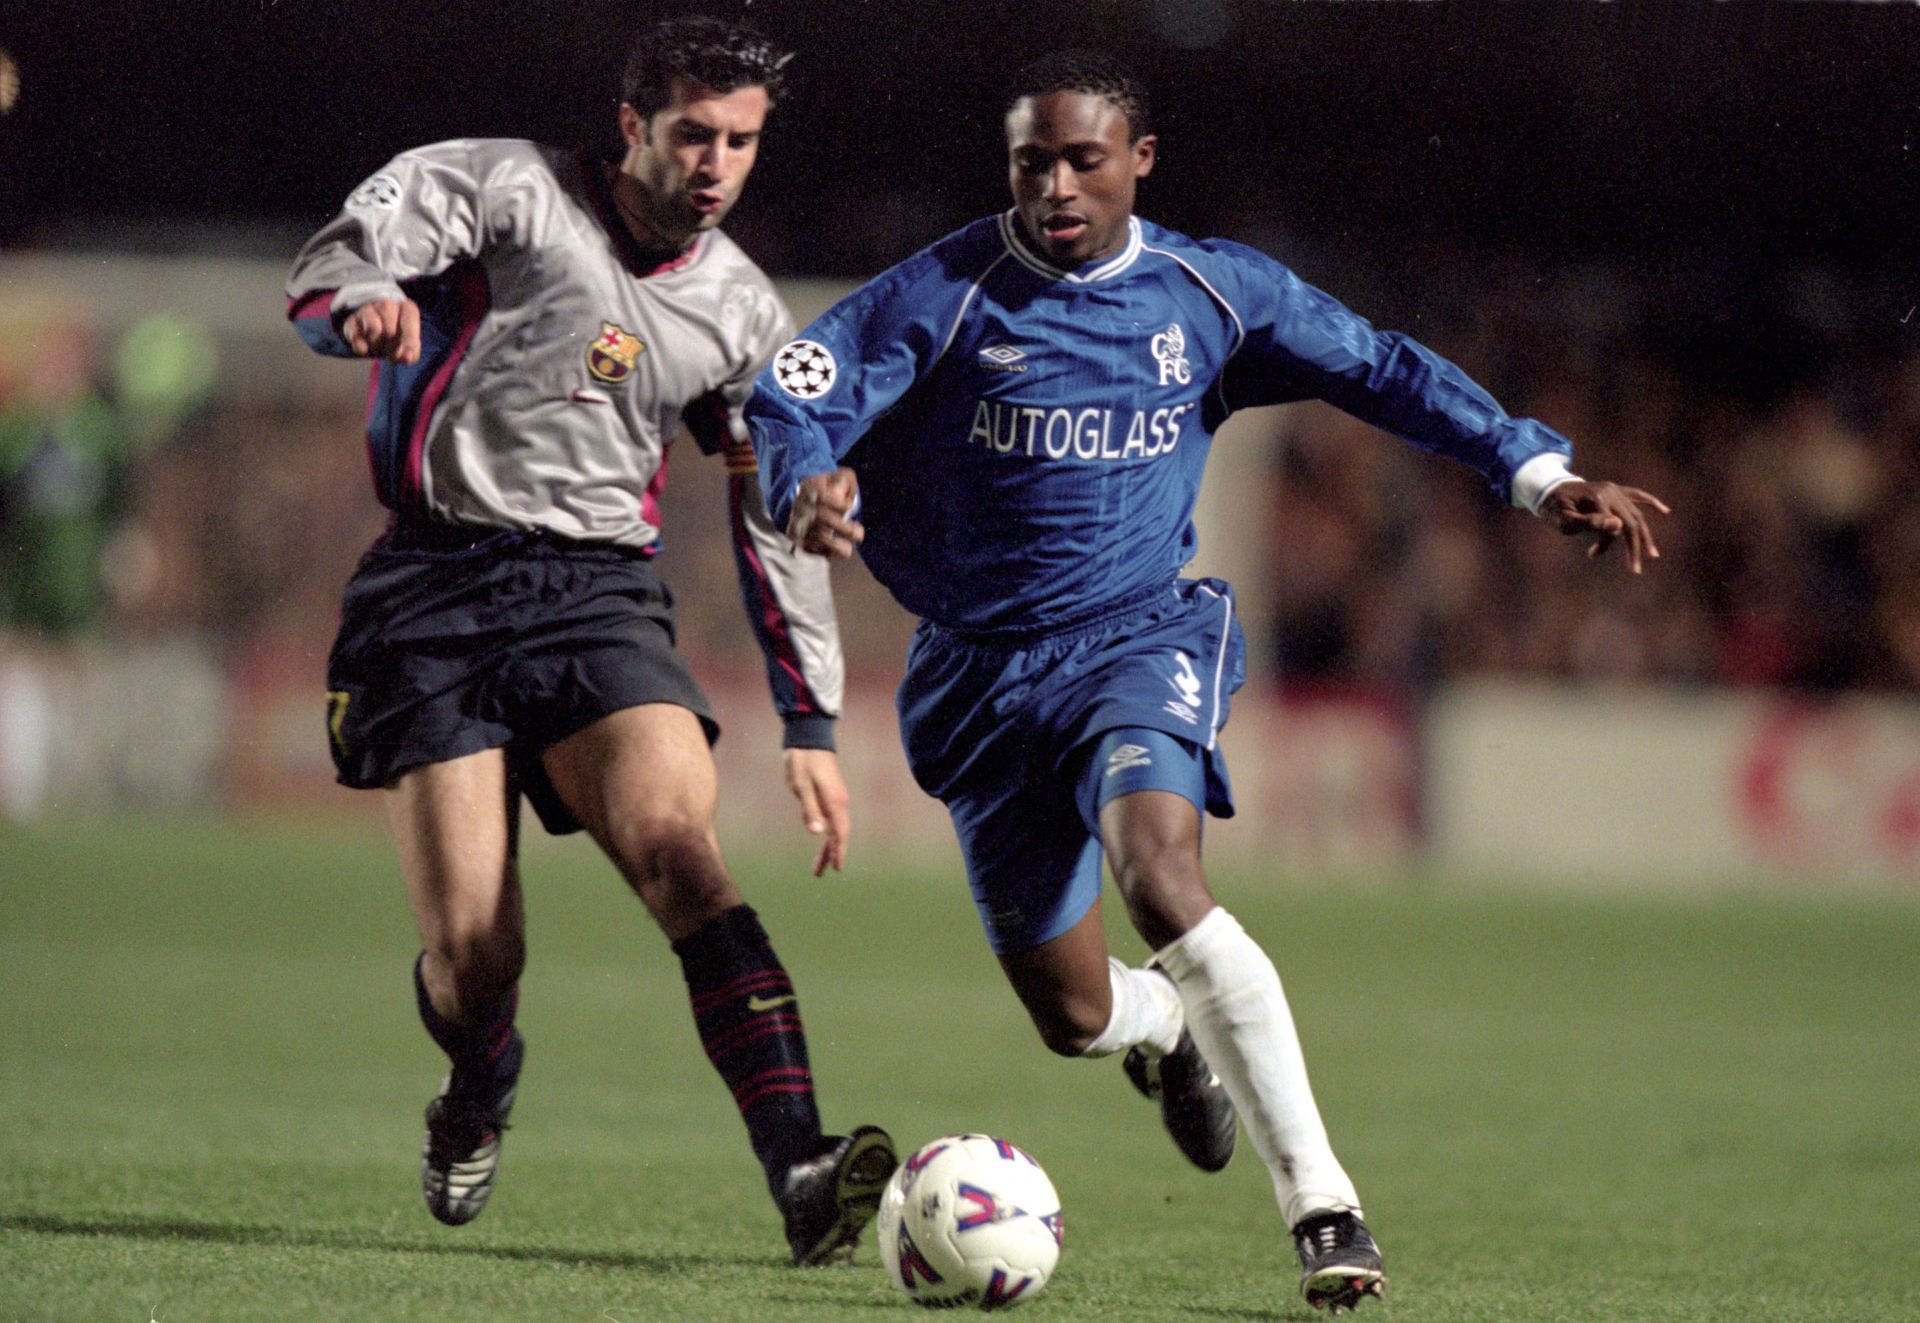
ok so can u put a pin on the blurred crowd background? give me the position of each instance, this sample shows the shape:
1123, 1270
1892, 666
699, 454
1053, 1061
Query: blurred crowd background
1684, 235
1779, 419
138, 499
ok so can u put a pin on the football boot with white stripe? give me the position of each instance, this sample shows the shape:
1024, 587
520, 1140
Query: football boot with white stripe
462, 1151
1339, 1263
828, 1200
1193, 1102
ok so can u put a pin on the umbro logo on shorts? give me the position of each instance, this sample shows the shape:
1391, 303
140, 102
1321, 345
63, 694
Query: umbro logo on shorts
1127, 755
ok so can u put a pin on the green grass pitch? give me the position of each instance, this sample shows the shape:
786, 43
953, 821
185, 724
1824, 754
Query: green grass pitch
1558, 1107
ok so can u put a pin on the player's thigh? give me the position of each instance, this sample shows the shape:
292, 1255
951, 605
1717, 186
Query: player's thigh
1146, 789
637, 776
1153, 840
455, 825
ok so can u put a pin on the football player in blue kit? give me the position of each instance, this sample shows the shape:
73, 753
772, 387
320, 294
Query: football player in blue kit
1010, 427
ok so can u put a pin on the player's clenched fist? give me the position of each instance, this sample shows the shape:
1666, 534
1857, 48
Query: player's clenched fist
823, 521
385, 328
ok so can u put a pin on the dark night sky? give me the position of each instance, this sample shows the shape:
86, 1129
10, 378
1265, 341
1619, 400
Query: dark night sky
1730, 132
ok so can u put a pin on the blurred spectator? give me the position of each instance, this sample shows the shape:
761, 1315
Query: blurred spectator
63, 466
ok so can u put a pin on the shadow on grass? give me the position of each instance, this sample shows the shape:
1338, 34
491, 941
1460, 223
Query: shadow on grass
225, 1233
1162, 1309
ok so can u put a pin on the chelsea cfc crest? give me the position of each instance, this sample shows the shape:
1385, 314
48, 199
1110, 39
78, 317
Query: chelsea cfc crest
611, 356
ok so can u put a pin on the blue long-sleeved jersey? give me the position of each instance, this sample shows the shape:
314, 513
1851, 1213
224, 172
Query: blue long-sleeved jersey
1029, 441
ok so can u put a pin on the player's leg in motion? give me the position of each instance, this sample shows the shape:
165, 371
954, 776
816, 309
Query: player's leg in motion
642, 782
1166, 1063
1086, 1003
1238, 1015
456, 827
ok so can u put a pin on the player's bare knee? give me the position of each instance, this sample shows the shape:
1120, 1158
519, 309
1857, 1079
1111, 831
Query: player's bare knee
660, 845
674, 862
1066, 1041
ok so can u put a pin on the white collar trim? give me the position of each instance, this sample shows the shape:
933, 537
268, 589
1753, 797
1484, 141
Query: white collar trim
1113, 266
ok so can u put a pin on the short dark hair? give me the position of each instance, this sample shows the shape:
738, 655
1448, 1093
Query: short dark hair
708, 51
1092, 72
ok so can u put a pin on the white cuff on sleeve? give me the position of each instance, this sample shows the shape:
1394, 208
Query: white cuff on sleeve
357, 294
1538, 476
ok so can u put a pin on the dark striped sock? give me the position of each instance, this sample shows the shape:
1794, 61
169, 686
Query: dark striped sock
749, 1022
478, 1053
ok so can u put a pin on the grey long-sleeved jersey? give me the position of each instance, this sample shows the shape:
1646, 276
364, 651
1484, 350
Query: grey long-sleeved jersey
556, 367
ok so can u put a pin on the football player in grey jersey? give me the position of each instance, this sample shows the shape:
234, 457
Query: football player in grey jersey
542, 323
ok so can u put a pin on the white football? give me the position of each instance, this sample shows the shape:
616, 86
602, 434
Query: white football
969, 1220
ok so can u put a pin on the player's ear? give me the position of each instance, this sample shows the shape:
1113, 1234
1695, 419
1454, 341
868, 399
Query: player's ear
1143, 149
633, 126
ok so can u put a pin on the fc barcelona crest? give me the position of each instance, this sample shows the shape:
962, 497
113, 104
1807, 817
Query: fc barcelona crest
613, 353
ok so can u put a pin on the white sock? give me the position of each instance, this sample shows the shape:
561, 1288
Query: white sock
1146, 1013
1239, 1018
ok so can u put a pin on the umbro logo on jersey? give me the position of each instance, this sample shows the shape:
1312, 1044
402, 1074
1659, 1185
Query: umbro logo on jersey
1170, 352
1128, 755
613, 353
1003, 358
805, 369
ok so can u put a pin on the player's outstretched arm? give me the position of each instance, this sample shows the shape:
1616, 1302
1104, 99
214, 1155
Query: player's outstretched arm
1606, 512
823, 521
814, 777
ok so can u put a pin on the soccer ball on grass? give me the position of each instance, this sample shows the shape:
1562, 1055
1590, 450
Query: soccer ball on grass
969, 1220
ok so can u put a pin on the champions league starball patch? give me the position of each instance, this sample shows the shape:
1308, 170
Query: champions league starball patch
611, 356
380, 193
804, 369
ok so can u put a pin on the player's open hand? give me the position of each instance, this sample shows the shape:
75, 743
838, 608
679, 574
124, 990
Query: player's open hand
385, 328
823, 521
1608, 513
814, 777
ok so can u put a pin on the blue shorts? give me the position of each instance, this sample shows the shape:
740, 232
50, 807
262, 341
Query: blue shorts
1006, 732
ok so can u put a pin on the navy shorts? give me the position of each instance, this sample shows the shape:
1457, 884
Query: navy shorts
1005, 731
455, 640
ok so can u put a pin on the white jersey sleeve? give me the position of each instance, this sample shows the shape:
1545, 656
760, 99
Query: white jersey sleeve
418, 215
788, 595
